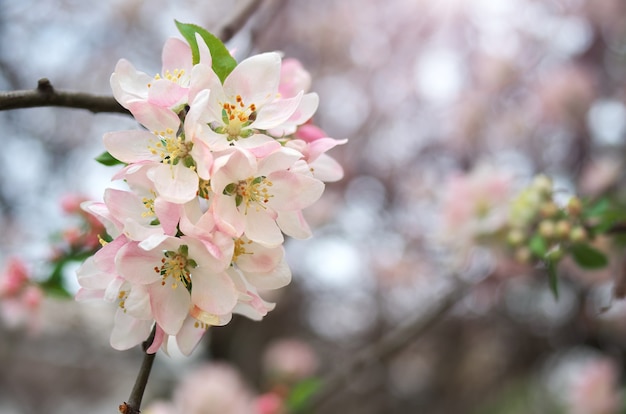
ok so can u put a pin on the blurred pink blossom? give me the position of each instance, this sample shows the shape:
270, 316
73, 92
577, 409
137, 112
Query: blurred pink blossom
20, 299
598, 175
475, 204
290, 359
215, 388
567, 93
270, 403
595, 390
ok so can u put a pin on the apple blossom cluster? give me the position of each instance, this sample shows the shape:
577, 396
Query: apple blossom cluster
222, 170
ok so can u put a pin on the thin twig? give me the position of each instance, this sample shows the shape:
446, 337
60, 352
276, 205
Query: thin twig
227, 32
46, 95
384, 348
133, 405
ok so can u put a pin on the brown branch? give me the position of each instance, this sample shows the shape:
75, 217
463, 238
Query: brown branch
46, 95
384, 348
133, 406
227, 32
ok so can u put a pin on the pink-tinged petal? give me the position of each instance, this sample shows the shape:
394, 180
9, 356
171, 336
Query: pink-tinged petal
167, 94
197, 113
255, 309
293, 78
293, 224
128, 84
125, 205
217, 99
213, 292
105, 258
320, 146
137, 303
157, 341
280, 160
227, 217
175, 183
202, 78
327, 169
203, 157
203, 51
238, 164
209, 319
279, 277
168, 214
258, 258
206, 253
86, 295
129, 331
112, 292
137, 265
153, 117
153, 241
131, 146
255, 79
91, 277
190, 335
291, 191
310, 133
275, 113
262, 228
260, 145
306, 109
101, 212
176, 54
170, 305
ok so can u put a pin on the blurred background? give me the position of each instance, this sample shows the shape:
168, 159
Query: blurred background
432, 96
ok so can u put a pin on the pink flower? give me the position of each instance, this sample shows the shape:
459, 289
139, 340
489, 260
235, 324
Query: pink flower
251, 194
177, 161
290, 360
270, 403
170, 88
179, 274
595, 390
247, 104
322, 166
20, 299
475, 203
213, 389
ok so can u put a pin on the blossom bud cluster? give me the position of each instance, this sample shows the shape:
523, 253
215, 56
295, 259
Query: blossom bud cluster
539, 228
222, 170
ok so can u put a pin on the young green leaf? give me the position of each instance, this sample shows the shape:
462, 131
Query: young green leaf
553, 280
223, 62
588, 257
301, 393
107, 159
537, 245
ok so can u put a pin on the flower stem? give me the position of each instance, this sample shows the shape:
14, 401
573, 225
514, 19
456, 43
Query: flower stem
134, 401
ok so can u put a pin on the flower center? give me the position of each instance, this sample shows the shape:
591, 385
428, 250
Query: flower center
177, 265
172, 148
236, 118
240, 248
253, 190
171, 76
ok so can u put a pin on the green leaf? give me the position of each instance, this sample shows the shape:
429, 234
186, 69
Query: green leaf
553, 280
107, 159
537, 245
588, 257
223, 63
301, 393
598, 208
